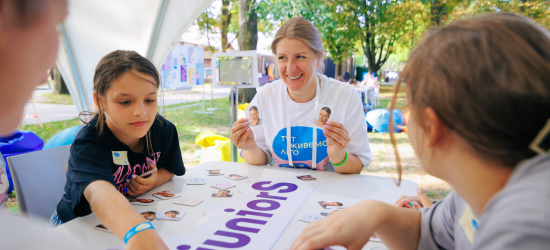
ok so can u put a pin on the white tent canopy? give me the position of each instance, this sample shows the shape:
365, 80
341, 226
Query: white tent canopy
94, 28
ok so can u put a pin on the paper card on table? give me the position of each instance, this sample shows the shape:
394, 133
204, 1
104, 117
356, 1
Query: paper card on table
329, 212
223, 193
188, 201
102, 228
223, 185
171, 215
166, 195
196, 181
331, 204
310, 218
306, 178
149, 215
236, 176
143, 201
214, 172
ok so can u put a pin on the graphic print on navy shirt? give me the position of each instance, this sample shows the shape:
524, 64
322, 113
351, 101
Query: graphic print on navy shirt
301, 147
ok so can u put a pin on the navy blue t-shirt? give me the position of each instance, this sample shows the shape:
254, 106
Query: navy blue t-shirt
91, 159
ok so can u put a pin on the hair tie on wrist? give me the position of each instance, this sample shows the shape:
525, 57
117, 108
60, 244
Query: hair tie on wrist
138, 228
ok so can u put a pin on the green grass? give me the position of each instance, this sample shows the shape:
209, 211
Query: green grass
52, 98
51, 128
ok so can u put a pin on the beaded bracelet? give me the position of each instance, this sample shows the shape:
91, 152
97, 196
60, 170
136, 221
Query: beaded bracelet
341, 163
138, 228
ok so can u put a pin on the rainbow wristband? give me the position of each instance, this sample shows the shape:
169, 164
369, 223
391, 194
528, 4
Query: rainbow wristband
341, 163
138, 228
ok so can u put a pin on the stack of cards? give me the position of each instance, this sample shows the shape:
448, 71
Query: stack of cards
332, 204
166, 195
188, 201
310, 218
306, 178
236, 176
214, 172
196, 181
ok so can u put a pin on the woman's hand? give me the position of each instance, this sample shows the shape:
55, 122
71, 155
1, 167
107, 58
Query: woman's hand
337, 140
242, 136
421, 199
351, 228
139, 185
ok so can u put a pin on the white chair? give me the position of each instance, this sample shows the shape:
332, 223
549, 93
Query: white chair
39, 180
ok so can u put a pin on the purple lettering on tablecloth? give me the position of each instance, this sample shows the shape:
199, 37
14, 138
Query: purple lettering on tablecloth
290, 186
233, 224
242, 240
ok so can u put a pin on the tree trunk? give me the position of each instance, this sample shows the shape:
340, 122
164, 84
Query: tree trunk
438, 11
225, 21
248, 39
59, 83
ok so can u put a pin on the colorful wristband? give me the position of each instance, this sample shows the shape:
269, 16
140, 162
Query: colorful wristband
138, 228
341, 163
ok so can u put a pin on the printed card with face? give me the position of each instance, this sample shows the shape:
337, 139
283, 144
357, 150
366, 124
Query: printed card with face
236, 176
214, 172
331, 204
223, 193
171, 215
254, 116
188, 201
166, 195
223, 185
102, 228
310, 218
196, 181
306, 178
149, 215
143, 201
321, 115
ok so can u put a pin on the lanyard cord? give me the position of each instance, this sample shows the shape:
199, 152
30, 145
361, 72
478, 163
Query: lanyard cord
314, 128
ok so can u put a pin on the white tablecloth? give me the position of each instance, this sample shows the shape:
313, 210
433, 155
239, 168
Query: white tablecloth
332, 186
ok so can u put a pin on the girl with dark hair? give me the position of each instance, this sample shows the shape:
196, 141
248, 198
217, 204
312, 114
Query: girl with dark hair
124, 139
479, 92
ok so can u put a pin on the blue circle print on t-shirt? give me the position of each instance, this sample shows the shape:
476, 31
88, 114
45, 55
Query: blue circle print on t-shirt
301, 143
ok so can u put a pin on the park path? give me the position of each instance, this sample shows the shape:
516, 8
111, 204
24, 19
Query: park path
59, 112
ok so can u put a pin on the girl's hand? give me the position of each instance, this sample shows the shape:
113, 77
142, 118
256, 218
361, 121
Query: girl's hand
421, 199
242, 136
139, 185
146, 239
351, 228
337, 140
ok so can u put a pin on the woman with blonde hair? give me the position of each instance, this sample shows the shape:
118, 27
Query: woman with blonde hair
289, 104
479, 92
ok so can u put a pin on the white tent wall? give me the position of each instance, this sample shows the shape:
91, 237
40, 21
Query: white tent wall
94, 28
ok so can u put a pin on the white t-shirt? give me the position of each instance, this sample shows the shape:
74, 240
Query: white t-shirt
345, 107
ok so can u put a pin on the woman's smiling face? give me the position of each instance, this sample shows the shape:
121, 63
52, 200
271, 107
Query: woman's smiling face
323, 116
297, 63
